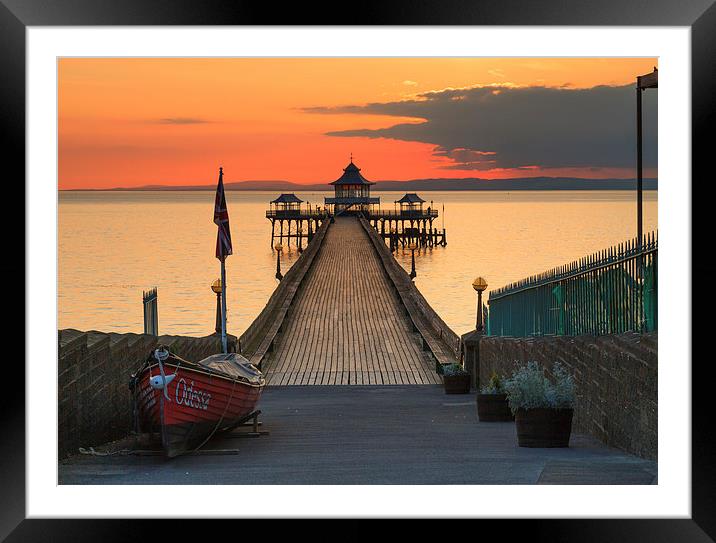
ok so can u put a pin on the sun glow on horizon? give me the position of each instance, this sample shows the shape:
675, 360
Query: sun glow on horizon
130, 122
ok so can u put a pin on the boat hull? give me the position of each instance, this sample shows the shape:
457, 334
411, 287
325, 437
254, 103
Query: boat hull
197, 405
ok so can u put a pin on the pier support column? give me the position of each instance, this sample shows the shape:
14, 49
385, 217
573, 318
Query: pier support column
273, 228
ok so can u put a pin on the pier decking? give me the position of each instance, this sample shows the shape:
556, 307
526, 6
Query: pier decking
347, 324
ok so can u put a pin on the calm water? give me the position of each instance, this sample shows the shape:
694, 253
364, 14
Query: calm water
114, 244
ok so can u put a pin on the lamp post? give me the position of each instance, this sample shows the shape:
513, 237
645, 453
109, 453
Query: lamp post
643, 82
479, 284
216, 288
412, 248
278, 248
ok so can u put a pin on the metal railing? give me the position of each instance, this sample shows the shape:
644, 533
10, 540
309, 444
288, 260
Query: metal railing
609, 292
396, 214
297, 214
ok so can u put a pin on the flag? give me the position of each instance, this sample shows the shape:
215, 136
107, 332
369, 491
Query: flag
221, 219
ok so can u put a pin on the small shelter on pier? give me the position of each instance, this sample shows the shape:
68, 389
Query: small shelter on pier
411, 205
352, 191
286, 205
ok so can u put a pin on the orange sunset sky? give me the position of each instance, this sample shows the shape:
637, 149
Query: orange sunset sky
134, 122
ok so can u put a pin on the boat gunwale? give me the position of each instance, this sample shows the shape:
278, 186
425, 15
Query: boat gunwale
206, 371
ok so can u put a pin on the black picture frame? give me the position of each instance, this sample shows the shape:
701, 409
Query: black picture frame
16, 15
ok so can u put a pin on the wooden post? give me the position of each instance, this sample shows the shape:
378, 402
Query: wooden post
151, 318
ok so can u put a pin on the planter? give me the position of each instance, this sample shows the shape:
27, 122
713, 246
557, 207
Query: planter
457, 384
493, 408
543, 427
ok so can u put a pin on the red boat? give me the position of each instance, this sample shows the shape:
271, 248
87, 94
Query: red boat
189, 402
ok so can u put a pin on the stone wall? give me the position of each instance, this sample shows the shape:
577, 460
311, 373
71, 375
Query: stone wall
94, 401
615, 377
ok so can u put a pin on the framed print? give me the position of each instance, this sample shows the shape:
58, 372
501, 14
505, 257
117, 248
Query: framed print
402, 268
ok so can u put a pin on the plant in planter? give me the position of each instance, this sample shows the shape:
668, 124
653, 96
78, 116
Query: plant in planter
455, 379
492, 403
543, 409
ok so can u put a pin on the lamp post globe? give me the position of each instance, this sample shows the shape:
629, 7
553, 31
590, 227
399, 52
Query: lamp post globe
216, 286
479, 284
216, 289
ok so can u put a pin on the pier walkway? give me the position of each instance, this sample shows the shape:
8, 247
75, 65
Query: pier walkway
347, 324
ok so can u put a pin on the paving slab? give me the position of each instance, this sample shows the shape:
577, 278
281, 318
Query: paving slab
371, 435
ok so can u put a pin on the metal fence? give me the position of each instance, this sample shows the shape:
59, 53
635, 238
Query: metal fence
609, 292
151, 318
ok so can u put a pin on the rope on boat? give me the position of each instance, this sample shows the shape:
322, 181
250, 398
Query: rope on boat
92, 452
218, 424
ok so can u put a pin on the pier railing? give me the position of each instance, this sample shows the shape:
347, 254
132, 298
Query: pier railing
438, 338
296, 214
405, 214
258, 338
609, 292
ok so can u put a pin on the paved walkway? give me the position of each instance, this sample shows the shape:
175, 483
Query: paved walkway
371, 435
348, 325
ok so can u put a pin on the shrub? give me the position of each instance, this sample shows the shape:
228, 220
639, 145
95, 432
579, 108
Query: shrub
494, 385
529, 388
454, 369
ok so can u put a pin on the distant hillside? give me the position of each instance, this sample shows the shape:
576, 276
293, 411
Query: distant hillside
470, 183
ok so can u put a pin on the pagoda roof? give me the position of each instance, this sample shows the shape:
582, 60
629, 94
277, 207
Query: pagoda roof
287, 198
352, 176
410, 198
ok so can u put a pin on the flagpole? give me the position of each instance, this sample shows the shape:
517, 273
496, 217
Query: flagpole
223, 307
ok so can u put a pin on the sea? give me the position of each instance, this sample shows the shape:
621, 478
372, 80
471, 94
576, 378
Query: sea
112, 245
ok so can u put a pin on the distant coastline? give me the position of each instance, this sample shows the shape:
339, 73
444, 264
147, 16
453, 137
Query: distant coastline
464, 184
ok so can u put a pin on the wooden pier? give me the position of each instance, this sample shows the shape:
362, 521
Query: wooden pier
347, 313
409, 223
401, 228
287, 212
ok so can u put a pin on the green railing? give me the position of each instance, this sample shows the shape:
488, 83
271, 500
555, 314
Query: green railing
609, 292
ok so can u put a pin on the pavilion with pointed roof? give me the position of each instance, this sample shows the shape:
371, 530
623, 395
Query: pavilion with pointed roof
351, 191
411, 203
286, 204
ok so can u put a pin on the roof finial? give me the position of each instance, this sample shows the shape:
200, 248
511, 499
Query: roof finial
351, 157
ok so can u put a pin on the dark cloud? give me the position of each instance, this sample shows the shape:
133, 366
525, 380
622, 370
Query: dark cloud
181, 120
481, 128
